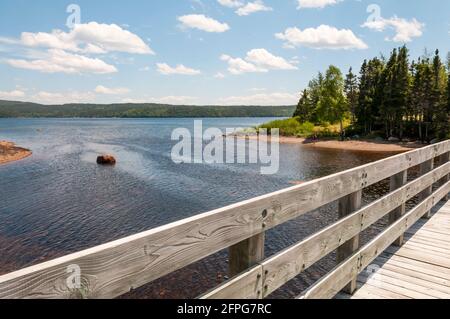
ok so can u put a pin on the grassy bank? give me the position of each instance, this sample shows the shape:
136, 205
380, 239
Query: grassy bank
292, 127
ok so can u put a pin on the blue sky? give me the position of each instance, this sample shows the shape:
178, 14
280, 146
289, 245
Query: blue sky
200, 51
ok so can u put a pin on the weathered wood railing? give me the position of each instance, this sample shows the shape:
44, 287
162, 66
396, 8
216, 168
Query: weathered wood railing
115, 268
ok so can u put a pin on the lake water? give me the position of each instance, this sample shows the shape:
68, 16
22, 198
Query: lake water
59, 201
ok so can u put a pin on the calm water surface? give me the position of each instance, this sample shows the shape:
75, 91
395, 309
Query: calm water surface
59, 201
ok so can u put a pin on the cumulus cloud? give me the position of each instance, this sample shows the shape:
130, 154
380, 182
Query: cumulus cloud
45, 97
231, 3
322, 37
257, 60
91, 37
172, 99
253, 7
307, 4
264, 59
111, 91
63, 62
203, 23
238, 66
11, 95
180, 69
276, 98
405, 30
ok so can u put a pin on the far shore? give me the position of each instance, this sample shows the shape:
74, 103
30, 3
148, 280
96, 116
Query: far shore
9, 152
348, 145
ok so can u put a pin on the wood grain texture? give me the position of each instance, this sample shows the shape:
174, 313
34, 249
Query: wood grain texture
117, 267
286, 265
348, 205
333, 282
247, 285
417, 269
425, 167
246, 254
444, 159
397, 181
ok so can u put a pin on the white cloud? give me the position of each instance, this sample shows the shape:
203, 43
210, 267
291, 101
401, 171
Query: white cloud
238, 66
276, 98
111, 91
256, 60
263, 58
45, 97
180, 69
201, 22
92, 37
176, 100
253, 7
11, 95
219, 75
231, 3
307, 4
59, 61
405, 30
322, 37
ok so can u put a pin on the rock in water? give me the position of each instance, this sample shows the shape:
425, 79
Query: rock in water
106, 160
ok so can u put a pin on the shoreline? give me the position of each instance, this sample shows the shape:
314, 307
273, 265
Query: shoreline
351, 145
9, 152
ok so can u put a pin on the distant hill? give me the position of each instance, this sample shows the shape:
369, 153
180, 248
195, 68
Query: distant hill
12, 109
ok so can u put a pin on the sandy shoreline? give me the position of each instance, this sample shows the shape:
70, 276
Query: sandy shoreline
9, 152
352, 145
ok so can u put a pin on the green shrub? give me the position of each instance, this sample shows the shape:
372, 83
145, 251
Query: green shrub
290, 127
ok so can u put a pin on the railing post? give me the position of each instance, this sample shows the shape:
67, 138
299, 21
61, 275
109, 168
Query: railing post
396, 182
426, 167
246, 254
445, 158
347, 205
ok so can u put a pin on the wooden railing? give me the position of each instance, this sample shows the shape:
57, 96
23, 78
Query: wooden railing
115, 268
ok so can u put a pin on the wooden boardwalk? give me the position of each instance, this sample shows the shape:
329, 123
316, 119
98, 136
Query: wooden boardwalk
420, 269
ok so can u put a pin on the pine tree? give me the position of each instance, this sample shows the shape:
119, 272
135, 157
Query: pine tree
448, 84
401, 90
305, 108
370, 93
388, 102
351, 93
361, 109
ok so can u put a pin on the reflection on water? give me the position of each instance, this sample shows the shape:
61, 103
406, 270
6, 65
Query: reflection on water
59, 201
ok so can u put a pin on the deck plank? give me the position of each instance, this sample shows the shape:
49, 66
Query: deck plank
419, 269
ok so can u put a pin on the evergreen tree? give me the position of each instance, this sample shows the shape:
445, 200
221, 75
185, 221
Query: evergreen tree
448, 83
388, 102
370, 93
305, 108
401, 89
393, 96
351, 93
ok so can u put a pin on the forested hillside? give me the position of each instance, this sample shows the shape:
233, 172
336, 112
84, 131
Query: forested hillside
22, 109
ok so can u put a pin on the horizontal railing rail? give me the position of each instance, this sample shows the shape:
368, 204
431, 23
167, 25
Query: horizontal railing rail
115, 268
279, 269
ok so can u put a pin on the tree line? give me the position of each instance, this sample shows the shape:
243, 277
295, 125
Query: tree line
391, 97
11, 109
